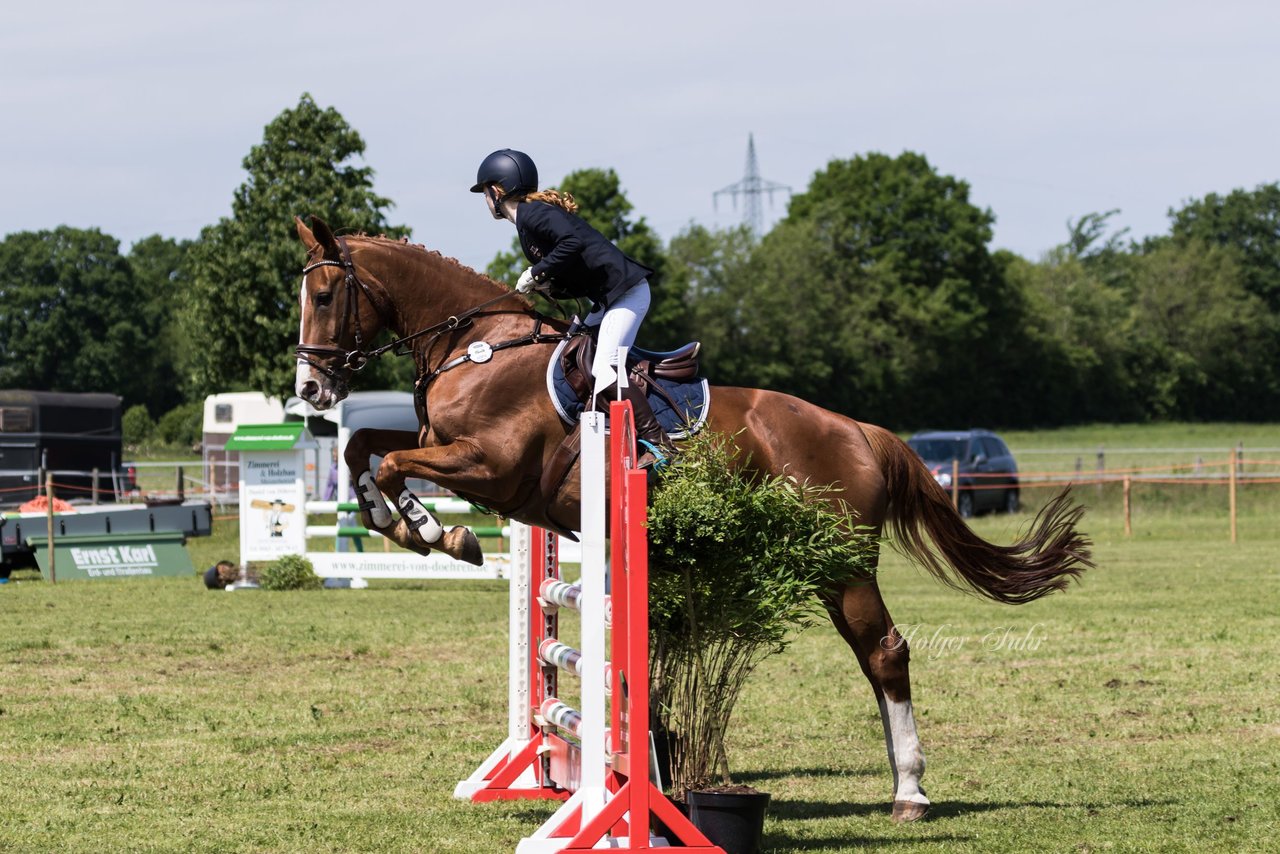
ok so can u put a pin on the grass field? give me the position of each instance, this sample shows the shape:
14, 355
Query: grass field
1137, 712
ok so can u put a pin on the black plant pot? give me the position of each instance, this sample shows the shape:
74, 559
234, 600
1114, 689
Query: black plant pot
663, 739
660, 827
732, 820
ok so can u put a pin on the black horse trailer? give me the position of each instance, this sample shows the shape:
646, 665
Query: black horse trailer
68, 436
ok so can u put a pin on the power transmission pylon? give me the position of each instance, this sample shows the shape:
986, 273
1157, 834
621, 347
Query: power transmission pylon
751, 188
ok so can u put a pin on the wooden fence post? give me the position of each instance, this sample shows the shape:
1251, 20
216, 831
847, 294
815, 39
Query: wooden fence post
95, 487
1102, 468
1128, 525
1231, 500
955, 483
48, 494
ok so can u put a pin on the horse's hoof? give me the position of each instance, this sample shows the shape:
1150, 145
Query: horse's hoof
462, 544
905, 811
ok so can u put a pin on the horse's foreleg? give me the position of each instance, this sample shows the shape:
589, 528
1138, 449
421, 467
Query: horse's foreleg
459, 465
363, 444
860, 616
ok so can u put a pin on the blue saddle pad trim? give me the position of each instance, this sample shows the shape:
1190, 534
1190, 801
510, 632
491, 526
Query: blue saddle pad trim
692, 401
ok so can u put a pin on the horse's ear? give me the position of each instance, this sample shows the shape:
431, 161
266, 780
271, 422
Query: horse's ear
304, 234
318, 235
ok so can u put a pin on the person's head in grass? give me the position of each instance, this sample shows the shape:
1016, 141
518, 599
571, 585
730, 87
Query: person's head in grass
218, 576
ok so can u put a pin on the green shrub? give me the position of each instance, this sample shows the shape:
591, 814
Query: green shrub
737, 563
137, 425
182, 425
291, 572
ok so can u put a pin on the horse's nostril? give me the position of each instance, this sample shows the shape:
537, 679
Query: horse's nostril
310, 390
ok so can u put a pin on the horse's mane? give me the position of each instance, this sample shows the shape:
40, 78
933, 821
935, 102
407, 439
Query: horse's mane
400, 244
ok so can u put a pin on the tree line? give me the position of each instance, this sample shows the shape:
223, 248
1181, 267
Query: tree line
877, 295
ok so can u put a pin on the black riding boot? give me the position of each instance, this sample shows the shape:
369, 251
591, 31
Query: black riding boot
648, 429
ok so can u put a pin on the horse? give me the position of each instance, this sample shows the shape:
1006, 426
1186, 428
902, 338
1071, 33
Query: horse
488, 430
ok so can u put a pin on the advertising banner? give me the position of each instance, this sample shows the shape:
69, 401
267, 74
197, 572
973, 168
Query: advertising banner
155, 553
273, 520
405, 565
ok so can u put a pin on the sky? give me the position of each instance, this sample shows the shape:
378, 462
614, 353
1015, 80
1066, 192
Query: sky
134, 117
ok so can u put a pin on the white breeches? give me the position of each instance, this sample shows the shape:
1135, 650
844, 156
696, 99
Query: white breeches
618, 327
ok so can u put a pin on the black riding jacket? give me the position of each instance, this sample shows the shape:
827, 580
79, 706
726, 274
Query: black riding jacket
576, 259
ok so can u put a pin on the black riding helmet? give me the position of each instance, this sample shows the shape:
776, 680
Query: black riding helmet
514, 170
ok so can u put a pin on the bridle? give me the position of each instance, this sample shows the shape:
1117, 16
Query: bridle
352, 360
355, 360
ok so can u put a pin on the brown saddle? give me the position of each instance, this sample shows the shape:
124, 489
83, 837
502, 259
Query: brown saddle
643, 366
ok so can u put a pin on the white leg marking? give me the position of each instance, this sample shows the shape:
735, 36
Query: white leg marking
411, 509
905, 755
888, 742
369, 491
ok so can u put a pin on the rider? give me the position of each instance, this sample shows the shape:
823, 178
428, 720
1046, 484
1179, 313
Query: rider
570, 258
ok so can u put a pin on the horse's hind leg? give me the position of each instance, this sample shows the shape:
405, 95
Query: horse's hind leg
859, 614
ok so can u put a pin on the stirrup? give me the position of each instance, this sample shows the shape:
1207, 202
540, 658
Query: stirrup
659, 458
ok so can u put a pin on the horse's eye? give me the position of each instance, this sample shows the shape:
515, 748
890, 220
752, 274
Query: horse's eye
324, 298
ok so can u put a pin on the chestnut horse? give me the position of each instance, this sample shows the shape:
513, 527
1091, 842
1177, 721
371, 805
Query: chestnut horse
488, 428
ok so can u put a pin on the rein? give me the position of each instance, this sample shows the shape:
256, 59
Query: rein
537, 336
355, 360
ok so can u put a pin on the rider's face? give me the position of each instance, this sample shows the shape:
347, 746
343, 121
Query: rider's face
491, 199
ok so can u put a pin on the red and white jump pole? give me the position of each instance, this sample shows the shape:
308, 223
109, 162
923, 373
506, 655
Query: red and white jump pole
591, 756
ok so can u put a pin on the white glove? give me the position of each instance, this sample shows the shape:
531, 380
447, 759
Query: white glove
526, 283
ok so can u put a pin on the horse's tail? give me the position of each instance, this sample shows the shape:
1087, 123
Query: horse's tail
1043, 561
